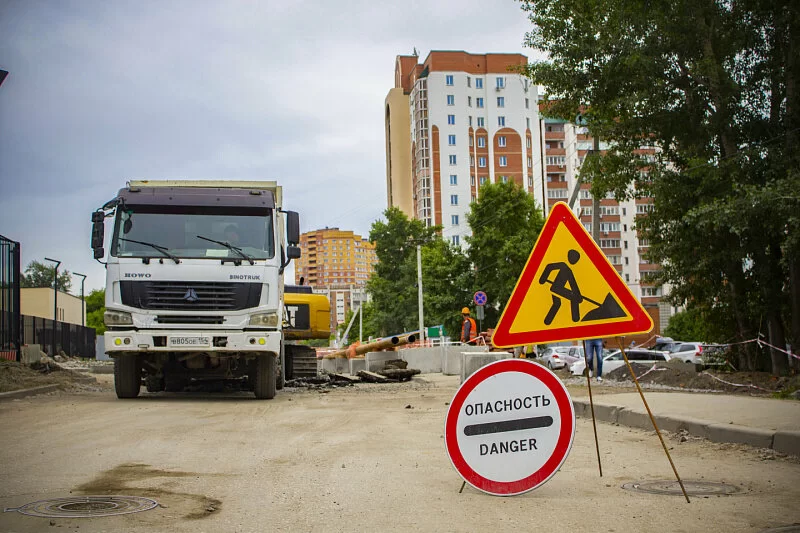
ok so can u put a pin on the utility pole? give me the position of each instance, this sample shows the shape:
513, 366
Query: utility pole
595, 200
419, 296
55, 303
83, 300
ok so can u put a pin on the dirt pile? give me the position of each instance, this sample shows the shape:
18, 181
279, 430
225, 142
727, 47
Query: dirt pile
17, 376
684, 376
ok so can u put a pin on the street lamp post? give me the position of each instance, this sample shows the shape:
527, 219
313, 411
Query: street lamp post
83, 300
55, 303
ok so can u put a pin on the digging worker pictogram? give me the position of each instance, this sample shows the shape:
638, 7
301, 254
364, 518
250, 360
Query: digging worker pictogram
563, 286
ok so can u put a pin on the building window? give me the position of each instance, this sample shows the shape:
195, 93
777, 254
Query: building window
501, 82
527, 104
453, 199
455, 240
530, 181
480, 122
557, 193
614, 259
609, 243
469, 101
448, 79
454, 220
472, 180
528, 123
471, 142
470, 121
483, 180
627, 278
452, 159
501, 121
481, 142
479, 83
451, 100
469, 81
501, 141
503, 161
609, 226
556, 160
530, 162
451, 119
479, 102
482, 161
504, 179
451, 140
453, 179
501, 101
471, 160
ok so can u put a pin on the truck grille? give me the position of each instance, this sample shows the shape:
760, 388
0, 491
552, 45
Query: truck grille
190, 295
189, 319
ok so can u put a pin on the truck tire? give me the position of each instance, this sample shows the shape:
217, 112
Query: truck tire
127, 376
266, 377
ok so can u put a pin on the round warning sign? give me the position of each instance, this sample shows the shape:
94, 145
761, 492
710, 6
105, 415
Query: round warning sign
509, 427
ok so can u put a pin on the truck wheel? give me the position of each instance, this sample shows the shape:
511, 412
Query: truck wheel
127, 376
266, 377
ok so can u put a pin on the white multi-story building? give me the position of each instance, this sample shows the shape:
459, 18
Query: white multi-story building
453, 123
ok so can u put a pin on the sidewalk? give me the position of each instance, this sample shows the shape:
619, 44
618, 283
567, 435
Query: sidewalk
759, 422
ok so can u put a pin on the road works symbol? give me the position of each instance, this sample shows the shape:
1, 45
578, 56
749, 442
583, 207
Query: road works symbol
567, 267
509, 427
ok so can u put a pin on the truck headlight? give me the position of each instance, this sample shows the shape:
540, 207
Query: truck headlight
117, 318
264, 320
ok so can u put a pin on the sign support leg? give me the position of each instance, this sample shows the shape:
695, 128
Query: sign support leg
591, 404
653, 420
463, 484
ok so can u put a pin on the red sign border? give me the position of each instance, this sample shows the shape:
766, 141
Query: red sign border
563, 444
640, 322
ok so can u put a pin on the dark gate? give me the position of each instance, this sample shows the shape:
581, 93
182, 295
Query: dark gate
10, 319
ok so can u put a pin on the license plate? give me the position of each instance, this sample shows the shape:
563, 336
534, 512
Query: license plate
178, 342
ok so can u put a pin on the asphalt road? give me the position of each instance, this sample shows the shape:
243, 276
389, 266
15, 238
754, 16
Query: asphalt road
368, 458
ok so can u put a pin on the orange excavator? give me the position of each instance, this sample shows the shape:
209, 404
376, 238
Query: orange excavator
307, 316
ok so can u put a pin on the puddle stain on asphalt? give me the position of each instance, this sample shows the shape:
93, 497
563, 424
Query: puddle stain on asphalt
123, 479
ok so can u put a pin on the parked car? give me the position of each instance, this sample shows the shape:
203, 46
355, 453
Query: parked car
615, 360
689, 352
665, 344
555, 357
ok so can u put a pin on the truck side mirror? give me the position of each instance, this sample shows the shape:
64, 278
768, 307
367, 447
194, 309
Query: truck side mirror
293, 252
98, 233
292, 228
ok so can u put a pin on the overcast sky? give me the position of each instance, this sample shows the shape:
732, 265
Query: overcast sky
100, 92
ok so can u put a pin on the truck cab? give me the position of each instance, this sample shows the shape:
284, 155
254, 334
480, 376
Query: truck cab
194, 283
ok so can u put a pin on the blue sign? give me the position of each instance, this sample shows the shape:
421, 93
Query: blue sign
479, 298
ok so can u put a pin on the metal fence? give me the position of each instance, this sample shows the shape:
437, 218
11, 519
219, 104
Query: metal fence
10, 334
73, 339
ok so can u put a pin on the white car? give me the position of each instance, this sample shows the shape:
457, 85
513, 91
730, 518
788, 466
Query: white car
614, 360
689, 352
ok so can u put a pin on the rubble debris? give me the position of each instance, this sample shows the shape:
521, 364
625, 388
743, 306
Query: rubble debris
399, 374
396, 363
372, 377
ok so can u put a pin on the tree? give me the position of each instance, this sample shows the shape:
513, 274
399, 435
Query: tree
505, 223
38, 274
712, 87
392, 285
95, 309
446, 283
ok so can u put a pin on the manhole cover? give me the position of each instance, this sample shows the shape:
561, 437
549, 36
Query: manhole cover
86, 506
672, 488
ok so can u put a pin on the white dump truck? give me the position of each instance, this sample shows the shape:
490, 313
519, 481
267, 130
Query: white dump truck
194, 284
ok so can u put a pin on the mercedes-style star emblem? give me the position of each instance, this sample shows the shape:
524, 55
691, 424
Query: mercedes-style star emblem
191, 295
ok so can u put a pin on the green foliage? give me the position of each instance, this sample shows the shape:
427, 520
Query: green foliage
446, 282
505, 223
688, 325
38, 274
393, 285
707, 85
95, 308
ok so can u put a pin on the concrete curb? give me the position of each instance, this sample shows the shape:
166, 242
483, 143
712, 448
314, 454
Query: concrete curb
787, 442
22, 393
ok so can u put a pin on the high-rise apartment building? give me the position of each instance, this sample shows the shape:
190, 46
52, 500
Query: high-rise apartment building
336, 263
566, 147
455, 122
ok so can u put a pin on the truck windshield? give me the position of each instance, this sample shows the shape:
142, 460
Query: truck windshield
177, 235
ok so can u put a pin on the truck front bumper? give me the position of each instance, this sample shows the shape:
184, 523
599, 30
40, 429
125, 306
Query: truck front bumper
126, 341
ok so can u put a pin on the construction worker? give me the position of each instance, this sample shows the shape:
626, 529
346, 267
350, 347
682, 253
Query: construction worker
469, 331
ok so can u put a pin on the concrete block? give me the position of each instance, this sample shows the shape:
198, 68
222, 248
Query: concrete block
581, 407
606, 413
31, 353
100, 349
787, 442
696, 427
451, 362
377, 360
472, 361
357, 365
668, 423
339, 365
634, 419
426, 360
760, 438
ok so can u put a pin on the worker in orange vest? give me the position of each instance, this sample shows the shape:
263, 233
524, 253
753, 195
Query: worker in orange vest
469, 331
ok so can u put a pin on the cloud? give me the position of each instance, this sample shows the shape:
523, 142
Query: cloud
101, 92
